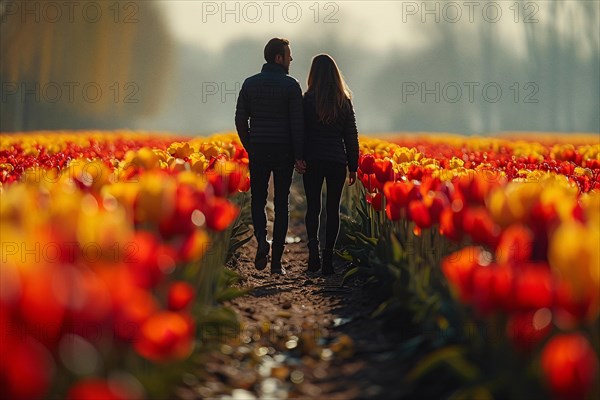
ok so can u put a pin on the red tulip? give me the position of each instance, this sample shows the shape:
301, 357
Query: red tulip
429, 184
218, 183
99, 389
181, 294
26, 369
543, 216
375, 200
570, 307
234, 182
570, 366
383, 170
393, 212
366, 163
527, 329
371, 183
180, 222
438, 203
418, 212
533, 287
90, 304
481, 284
220, 213
502, 287
447, 188
414, 173
458, 269
481, 185
478, 223
415, 193
245, 184
397, 193
578, 213
148, 261
364, 179
40, 305
492, 288
451, 224
133, 307
240, 152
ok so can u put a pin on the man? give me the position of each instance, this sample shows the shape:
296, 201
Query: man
274, 138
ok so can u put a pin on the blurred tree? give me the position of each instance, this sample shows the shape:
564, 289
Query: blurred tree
75, 65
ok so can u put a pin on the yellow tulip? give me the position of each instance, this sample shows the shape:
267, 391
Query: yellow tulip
155, 198
574, 256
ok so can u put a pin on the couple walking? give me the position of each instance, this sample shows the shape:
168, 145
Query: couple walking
283, 130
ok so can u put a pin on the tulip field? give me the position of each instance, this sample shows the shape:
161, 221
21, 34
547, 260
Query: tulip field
102, 241
488, 250
482, 253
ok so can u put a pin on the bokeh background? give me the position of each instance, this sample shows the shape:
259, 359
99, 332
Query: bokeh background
469, 67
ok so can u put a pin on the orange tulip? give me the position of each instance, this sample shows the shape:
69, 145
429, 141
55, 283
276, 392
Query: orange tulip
194, 246
166, 336
458, 269
515, 245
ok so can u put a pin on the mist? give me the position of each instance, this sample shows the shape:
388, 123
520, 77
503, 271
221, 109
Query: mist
424, 67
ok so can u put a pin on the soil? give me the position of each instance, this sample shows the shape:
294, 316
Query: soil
303, 335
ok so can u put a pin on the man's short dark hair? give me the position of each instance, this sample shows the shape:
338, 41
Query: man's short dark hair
274, 47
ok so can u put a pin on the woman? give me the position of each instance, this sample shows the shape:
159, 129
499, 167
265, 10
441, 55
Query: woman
331, 148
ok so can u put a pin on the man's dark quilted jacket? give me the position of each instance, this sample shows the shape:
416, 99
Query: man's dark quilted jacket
272, 102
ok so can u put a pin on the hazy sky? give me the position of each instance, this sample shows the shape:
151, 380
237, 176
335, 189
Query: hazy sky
380, 24
401, 25
553, 44
407, 62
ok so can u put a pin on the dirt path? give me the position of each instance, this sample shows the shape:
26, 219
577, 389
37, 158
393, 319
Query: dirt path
302, 335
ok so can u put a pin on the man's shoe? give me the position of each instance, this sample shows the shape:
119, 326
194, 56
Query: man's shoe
328, 262
262, 256
314, 261
278, 271
276, 254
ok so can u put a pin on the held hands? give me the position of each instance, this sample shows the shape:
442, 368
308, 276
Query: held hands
300, 166
351, 178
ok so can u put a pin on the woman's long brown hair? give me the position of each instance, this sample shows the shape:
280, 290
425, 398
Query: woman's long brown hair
327, 83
